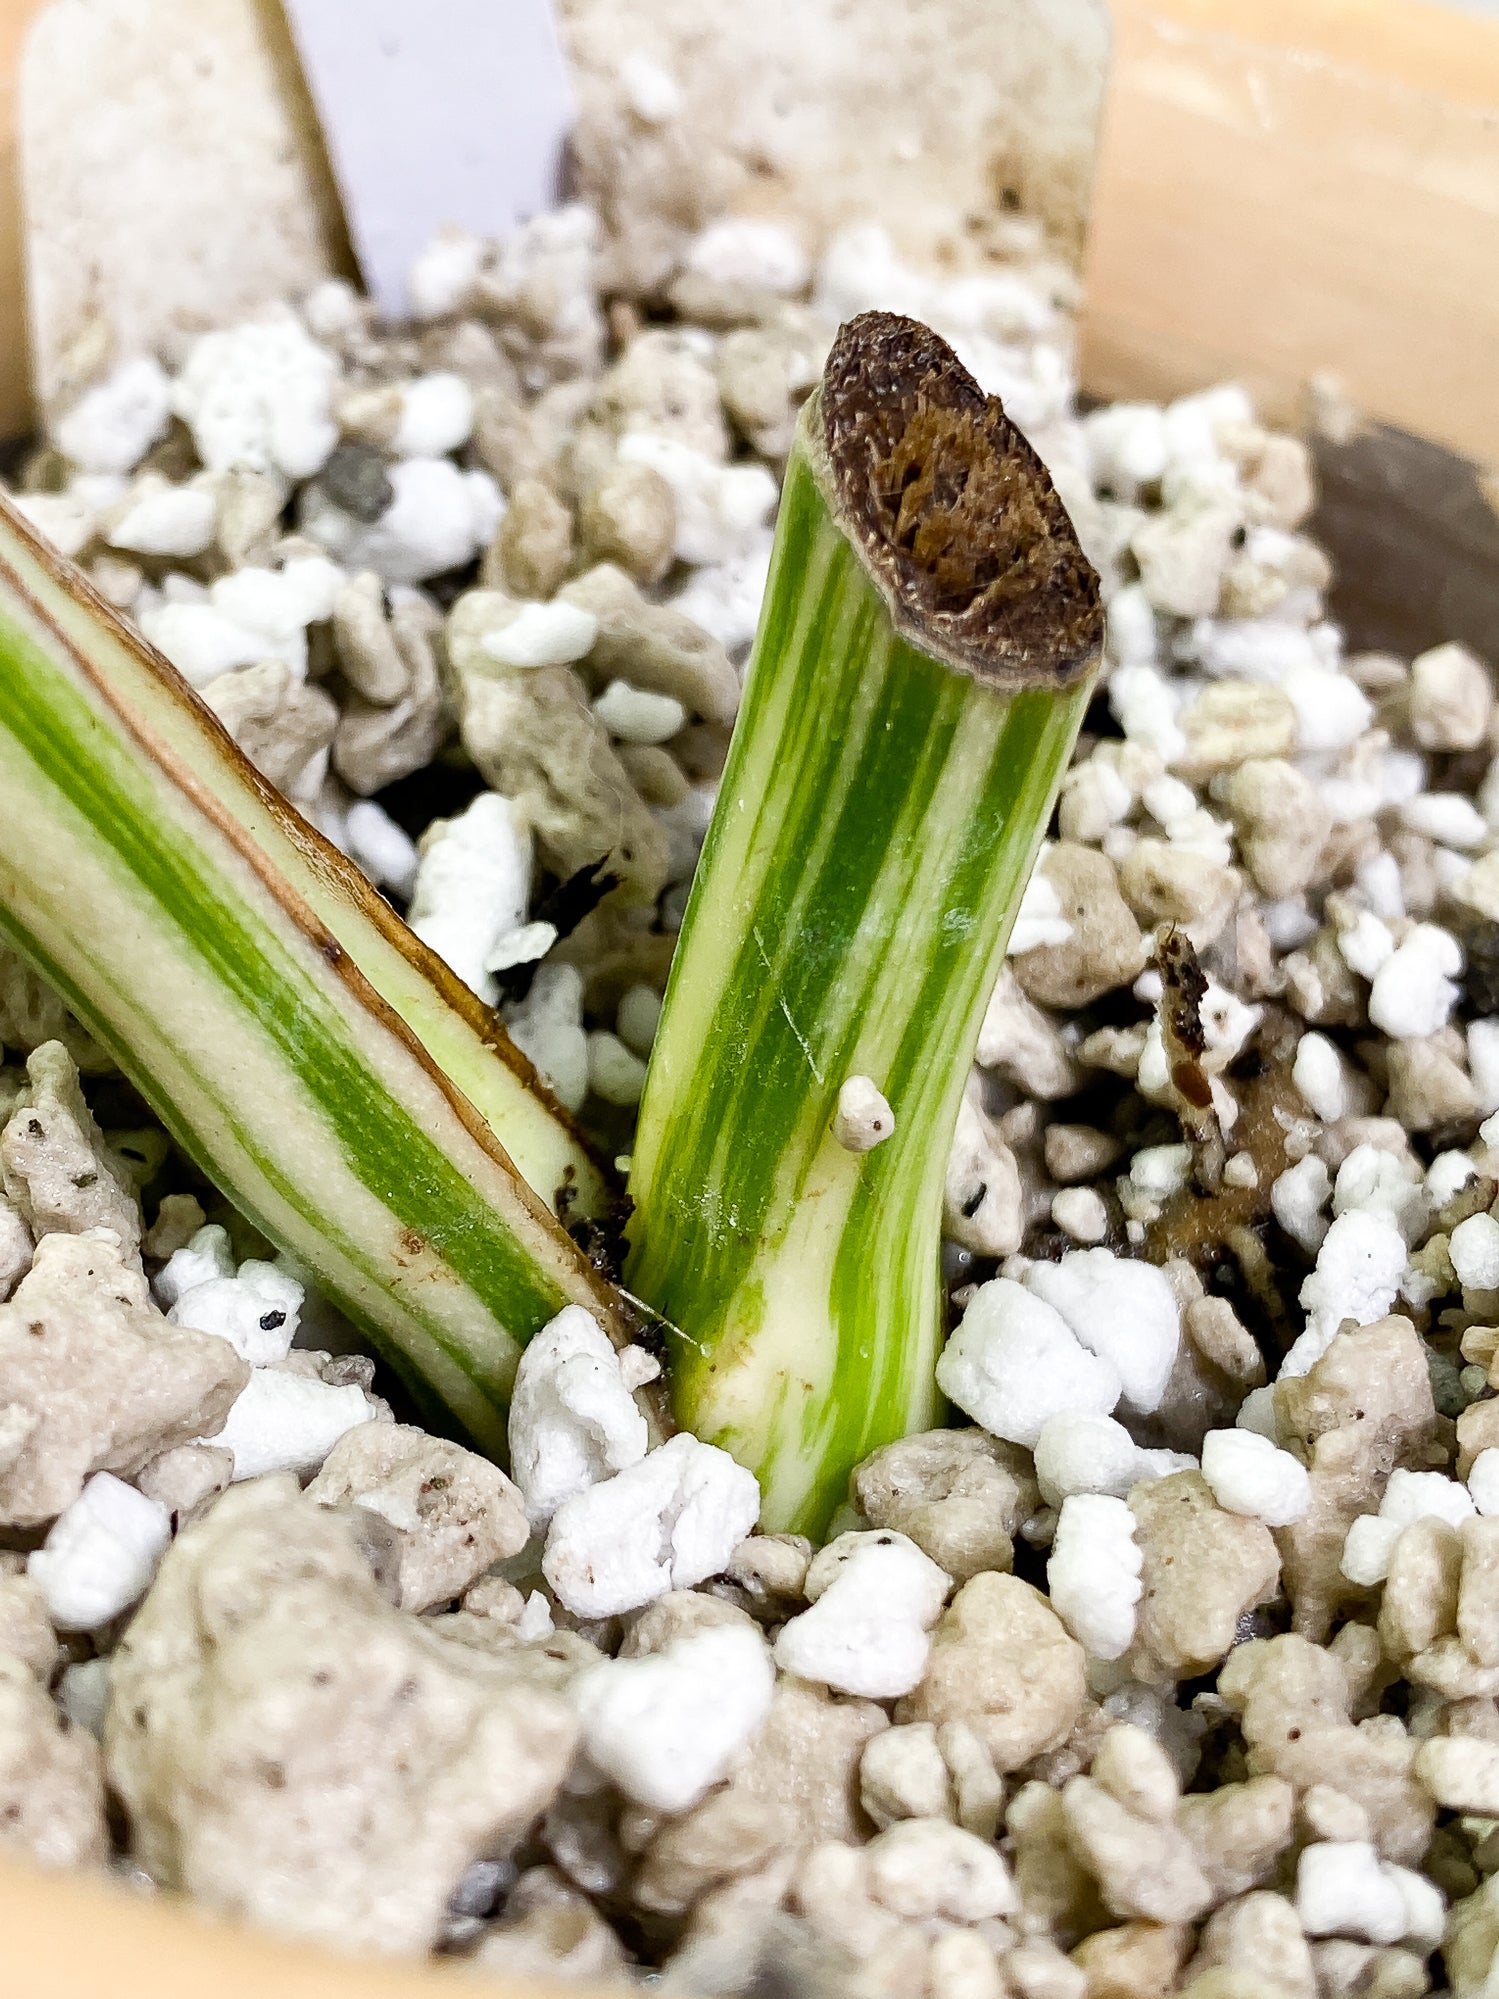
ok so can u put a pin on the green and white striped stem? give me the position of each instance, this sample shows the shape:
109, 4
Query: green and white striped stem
301, 1047
924, 657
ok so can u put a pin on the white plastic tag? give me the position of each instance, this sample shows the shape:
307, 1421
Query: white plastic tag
434, 112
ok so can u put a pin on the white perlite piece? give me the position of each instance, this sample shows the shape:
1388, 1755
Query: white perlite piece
437, 416
256, 398
257, 1311
1082, 1453
1297, 1198
1414, 990
288, 1422
1319, 1075
1080, 1213
720, 508
385, 851
1483, 1481
637, 715
114, 424
547, 1026
1474, 1249
1093, 1574
615, 1072
742, 250
438, 519
473, 885
669, 1522
1409, 1496
667, 1727
1248, 1474
573, 1420
874, 1598
101, 1554
552, 634
1012, 1362
863, 1118
205, 1257
1039, 920
159, 519
1343, 1888
1358, 1273
1120, 1309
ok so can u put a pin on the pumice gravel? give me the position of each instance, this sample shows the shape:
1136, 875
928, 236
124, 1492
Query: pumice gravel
1170, 1664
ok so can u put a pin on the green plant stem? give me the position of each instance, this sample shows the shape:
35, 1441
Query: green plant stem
251, 986
878, 819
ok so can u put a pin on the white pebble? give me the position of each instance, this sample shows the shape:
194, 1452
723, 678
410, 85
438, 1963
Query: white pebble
288, 1422
1158, 1171
669, 1522
1120, 1309
669, 1726
256, 1311
1093, 1573
863, 1118
573, 1421
1248, 1474
1332, 711
100, 1554
876, 1596
552, 634
82, 1693
1013, 1361
1474, 1249
1377, 1182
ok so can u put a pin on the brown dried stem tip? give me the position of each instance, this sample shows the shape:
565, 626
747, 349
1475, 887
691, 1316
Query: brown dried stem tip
952, 511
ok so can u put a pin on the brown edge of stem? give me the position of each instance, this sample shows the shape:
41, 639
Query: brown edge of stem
952, 512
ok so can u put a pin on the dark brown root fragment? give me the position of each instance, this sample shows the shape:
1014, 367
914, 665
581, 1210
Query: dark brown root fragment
953, 511
1183, 985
